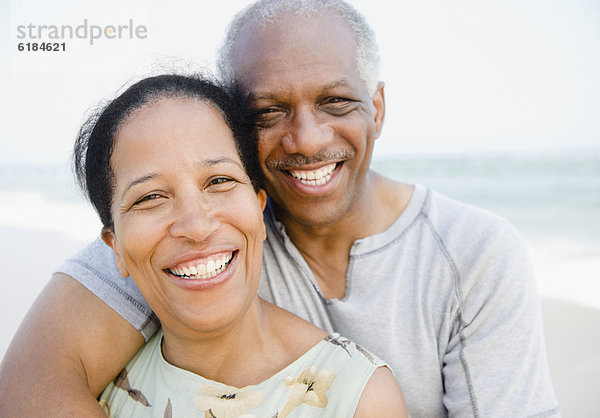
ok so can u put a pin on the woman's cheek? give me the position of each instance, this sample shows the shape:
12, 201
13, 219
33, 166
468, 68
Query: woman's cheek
140, 234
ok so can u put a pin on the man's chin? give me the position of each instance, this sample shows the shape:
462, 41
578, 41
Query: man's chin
308, 214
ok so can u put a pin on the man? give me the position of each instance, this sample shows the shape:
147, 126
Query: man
442, 291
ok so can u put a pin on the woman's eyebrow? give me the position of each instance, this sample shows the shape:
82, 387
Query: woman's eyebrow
223, 160
203, 163
139, 180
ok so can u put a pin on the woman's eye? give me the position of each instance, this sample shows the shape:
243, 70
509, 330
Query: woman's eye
147, 198
220, 181
220, 185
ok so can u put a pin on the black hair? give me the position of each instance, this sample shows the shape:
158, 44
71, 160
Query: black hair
95, 140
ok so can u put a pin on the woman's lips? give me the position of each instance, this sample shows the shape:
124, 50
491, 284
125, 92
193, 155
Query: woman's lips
205, 268
209, 280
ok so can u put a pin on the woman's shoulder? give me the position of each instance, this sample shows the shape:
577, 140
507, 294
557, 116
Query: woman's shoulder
364, 380
296, 335
305, 342
347, 357
347, 379
381, 397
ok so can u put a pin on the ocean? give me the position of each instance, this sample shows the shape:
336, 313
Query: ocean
553, 199
547, 195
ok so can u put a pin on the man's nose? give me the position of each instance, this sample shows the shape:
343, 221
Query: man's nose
194, 218
307, 134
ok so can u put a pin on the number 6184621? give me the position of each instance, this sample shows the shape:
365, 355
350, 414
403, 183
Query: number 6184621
42, 46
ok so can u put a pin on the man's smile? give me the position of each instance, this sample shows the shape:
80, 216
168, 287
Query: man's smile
316, 177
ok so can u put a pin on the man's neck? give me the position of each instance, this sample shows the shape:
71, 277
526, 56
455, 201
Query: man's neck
326, 248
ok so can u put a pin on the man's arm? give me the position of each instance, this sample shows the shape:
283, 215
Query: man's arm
496, 361
68, 348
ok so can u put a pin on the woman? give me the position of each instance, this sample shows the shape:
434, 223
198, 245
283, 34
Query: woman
169, 167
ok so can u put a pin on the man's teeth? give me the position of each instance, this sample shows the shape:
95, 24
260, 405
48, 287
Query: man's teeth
316, 177
203, 270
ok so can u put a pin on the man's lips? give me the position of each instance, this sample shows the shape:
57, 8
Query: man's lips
205, 268
314, 177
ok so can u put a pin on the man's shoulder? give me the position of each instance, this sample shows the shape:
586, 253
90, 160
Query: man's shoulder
480, 245
462, 223
473, 239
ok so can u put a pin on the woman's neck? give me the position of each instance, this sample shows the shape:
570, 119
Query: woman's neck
247, 352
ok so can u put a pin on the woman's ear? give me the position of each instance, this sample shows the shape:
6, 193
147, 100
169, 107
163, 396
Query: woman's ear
109, 238
262, 201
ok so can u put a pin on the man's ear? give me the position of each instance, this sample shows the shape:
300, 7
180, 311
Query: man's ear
109, 238
379, 103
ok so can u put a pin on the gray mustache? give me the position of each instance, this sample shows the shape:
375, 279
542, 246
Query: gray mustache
300, 160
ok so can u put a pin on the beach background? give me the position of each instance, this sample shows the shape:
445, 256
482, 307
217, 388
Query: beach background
493, 104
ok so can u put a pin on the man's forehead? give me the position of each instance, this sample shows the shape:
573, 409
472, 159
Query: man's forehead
292, 22
293, 51
292, 37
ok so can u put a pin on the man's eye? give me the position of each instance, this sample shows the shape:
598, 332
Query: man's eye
338, 106
268, 114
336, 101
266, 111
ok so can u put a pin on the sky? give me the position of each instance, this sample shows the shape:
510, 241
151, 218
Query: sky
460, 76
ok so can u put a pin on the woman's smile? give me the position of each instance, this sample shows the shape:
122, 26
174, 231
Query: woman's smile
205, 268
202, 275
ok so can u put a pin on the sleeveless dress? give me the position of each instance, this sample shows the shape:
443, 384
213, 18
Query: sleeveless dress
327, 381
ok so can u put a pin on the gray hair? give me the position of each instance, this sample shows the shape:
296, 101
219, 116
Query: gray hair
264, 12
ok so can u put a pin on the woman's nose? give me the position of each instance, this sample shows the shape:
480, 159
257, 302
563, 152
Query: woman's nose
194, 219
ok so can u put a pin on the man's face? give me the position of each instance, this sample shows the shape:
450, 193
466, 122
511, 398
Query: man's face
316, 120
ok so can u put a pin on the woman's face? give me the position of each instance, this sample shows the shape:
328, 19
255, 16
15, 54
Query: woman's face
188, 225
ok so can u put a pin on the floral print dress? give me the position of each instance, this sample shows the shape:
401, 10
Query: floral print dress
327, 381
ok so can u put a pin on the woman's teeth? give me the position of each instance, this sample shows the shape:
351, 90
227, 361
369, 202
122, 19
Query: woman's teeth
204, 270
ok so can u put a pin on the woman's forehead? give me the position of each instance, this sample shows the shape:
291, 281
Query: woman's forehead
174, 129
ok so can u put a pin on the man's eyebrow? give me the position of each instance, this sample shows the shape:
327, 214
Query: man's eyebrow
324, 89
335, 84
261, 96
